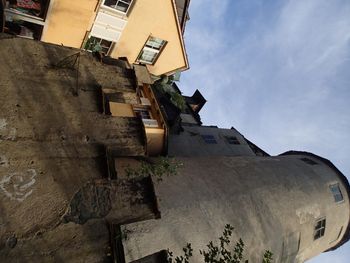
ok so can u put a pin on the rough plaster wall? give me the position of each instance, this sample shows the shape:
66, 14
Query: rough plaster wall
190, 143
52, 139
67, 22
156, 18
271, 202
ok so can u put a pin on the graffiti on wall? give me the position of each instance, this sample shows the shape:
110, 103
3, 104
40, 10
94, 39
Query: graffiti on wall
18, 186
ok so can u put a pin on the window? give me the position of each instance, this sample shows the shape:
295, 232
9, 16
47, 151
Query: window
320, 228
151, 50
308, 161
232, 140
120, 5
143, 113
16, 26
209, 139
34, 9
95, 44
338, 196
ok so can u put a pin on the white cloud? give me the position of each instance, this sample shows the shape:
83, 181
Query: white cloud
213, 9
278, 72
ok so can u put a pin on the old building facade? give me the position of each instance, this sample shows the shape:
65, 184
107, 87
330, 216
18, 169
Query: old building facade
295, 204
148, 32
70, 144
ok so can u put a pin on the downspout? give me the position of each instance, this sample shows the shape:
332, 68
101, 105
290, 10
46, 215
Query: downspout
2, 15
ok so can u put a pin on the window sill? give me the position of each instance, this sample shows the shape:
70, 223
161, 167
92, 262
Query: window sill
145, 62
113, 10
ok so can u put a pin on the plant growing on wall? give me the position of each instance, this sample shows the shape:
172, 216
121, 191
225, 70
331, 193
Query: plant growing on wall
161, 167
178, 100
219, 253
164, 86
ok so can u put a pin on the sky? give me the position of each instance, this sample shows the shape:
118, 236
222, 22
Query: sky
279, 72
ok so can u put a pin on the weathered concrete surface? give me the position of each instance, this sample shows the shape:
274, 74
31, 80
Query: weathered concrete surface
116, 200
273, 203
65, 243
52, 144
189, 142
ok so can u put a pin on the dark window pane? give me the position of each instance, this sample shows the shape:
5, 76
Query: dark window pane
143, 114
210, 139
110, 2
319, 225
338, 196
317, 235
95, 44
121, 5
320, 228
232, 140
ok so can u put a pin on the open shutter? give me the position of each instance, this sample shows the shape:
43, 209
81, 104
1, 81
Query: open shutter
108, 27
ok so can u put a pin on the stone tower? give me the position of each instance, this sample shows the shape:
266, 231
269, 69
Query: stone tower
295, 204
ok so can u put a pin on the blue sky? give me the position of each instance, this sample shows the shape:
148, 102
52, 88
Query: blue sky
279, 72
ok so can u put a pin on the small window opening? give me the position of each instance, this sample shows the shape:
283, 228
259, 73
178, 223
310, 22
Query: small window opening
210, 139
320, 228
337, 194
120, 5
232, 140
143, 113
95, 44
151, 50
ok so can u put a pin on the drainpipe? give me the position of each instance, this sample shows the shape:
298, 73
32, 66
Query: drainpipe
2, 15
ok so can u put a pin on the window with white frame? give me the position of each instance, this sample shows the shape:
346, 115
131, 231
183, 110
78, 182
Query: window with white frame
338, 196
320, 228
151, 50
95, 44
120, 5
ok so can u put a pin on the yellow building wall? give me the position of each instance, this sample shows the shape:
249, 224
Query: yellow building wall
154, 17
68, 21
121, 109
155, 141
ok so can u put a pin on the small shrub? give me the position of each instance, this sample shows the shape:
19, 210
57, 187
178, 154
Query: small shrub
163, 166
219, 253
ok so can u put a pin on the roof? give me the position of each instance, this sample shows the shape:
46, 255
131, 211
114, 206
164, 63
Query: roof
196, 101
182, 12
256, 149
344, 180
